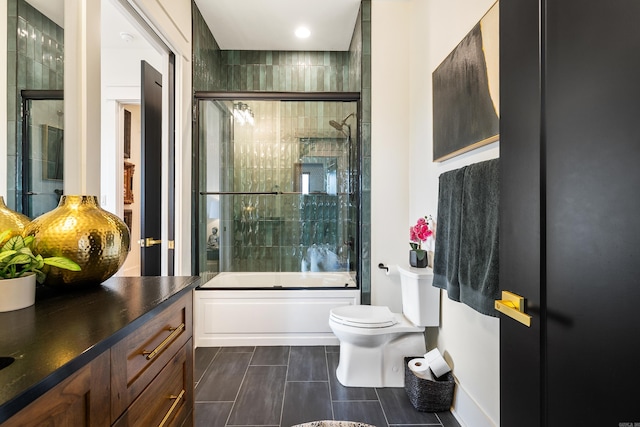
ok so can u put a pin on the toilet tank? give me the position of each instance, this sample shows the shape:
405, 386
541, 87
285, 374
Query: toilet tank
420, 300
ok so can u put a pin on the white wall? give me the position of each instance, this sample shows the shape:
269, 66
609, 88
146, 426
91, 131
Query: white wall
409, 40
120, 84
390, 129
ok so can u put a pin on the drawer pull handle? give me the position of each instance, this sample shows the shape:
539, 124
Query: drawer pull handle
173, 335
176, 401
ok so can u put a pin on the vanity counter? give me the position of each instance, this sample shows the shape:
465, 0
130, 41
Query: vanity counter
65, 330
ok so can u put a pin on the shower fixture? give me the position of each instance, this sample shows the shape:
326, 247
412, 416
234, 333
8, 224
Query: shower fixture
340, 126
242, 113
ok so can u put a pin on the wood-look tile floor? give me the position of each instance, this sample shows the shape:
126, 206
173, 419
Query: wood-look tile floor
283, 386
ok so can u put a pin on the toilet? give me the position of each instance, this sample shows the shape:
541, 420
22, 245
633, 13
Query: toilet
374, 340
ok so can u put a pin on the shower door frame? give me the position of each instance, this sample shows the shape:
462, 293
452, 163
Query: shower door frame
27, 96
272, 96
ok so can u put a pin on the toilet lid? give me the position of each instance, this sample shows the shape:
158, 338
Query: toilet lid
364, 316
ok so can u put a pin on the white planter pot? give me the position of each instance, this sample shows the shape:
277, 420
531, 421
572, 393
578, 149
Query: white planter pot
17, 293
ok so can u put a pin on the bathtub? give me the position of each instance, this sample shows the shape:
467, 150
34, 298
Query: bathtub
253, 309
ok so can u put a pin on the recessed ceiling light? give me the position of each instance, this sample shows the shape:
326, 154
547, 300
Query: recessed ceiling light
302, 32
128, 38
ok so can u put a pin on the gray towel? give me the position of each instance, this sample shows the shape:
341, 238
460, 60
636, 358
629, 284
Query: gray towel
447, 249
479, 264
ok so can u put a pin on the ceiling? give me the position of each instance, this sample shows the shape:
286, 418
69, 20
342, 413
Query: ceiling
270, 24
247, 24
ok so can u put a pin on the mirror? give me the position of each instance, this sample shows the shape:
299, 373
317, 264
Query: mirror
35, 58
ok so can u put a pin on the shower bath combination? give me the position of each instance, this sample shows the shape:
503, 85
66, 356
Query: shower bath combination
283, 193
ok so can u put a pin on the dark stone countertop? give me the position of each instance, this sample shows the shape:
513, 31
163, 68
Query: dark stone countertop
65, 330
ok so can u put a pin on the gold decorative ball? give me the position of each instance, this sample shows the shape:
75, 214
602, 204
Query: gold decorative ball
82, 231
11, 220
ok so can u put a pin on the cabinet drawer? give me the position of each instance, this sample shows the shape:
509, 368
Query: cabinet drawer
139, 357
168, 400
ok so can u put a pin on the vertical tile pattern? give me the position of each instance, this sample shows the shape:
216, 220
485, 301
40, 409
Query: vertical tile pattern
292, 232
208, 74
35, 60
286, 71
269, 396
365, 155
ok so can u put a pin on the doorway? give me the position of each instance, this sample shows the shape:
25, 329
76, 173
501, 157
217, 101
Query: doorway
122, 83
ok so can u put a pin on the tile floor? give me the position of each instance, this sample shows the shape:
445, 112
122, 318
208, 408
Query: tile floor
283, 386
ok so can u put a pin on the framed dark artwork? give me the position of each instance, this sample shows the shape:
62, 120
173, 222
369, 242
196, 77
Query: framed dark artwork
466, 107
127, 134
52, 153
129, 168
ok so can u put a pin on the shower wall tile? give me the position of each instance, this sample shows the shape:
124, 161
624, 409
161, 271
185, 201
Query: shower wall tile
29, 35
291, 72
298, 72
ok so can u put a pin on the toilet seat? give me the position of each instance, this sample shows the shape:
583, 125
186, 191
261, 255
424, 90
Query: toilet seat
363, 316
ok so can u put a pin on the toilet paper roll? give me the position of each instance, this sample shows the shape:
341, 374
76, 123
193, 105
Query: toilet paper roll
439, 367
420, 368
392, 270
432, 355
436, 362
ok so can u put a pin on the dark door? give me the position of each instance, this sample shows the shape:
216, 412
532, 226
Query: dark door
569, 231
520, 217
151, 184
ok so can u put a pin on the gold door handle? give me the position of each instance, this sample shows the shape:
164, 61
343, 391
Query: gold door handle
148, 242
513, 306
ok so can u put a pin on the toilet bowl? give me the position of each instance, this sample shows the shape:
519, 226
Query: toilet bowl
374, 340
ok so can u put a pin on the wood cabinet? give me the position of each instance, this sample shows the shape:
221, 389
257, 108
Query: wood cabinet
145, 378
138, 359
80, 400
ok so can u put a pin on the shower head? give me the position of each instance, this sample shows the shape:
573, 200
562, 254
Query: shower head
336, 125
340, 126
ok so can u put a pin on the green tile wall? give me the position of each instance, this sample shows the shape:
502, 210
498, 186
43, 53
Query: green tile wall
287, 71
35, 60
208, 73
284, 71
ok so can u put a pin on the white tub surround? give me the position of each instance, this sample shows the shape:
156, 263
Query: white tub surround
236, 309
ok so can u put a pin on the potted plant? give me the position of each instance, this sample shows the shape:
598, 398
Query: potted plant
418, 234
20, 269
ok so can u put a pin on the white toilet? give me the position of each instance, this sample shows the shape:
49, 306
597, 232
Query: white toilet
374, 341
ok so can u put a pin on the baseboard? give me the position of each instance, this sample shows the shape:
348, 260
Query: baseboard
468, 412
257, 340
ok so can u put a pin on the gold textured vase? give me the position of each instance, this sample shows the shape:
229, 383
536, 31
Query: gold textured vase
11, 220
82, 231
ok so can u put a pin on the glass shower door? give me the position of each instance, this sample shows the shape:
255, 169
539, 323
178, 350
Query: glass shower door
278, 186
42, 154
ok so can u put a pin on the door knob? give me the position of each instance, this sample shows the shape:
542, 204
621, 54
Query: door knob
513, 306
148, 242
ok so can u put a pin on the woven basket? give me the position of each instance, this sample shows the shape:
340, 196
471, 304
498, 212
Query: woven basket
425, 395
